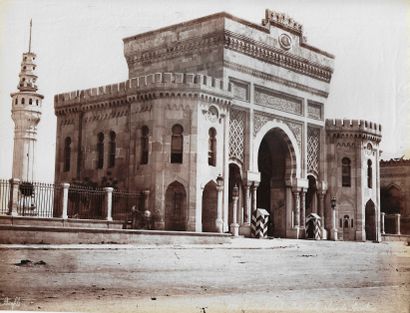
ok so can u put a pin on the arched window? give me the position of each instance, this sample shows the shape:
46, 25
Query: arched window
22, 101
369, 174
100, 150
346, 172
144, 144
113, 146
177, 142
346, 221
30, 101
36, 101
67, 154
212, 147
16, 101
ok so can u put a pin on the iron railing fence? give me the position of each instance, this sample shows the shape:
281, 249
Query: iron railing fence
86, 202
122, 203
38, 199
4, 196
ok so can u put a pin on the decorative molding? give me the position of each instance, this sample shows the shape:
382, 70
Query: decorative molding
313, 149
278, 100
276, 56
211, 114
99, 116
274, 78
283, 21
236, 134
297, 131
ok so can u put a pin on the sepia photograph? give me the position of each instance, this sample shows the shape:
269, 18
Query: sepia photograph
205, 156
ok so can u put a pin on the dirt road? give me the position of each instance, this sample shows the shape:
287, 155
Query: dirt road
248, 275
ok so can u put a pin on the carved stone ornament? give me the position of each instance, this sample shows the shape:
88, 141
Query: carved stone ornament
285, 41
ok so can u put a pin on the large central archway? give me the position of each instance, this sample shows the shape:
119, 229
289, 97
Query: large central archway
276, 164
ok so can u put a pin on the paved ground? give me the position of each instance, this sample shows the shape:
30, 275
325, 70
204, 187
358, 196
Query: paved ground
247, 275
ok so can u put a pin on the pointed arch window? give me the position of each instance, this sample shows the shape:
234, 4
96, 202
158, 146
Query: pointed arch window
369, 174
67, 154
212, 147
346, 172
177, 142
113, 147
22, 100
100, 150
144, 144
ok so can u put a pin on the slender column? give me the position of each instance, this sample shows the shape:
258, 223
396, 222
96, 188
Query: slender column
108, 202
235, 225
247, 211
303, 207
14, 191
321, 195
219, 222
382, 215
64, 213
296, 208
254, 196
397, 216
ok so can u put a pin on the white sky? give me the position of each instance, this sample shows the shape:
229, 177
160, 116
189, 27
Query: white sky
79, 45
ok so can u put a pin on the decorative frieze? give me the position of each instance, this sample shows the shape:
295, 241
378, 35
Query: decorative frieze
236, 134
99, 116
313, 150
315, 110
278, 100
259, 120
274, 78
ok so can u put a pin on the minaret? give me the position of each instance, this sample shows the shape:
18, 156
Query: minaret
26, 114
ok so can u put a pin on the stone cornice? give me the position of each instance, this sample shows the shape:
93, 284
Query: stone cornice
276, 56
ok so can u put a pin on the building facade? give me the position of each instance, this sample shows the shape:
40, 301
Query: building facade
219, 102
394, 195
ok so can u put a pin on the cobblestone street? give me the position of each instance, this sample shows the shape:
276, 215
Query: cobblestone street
243, 276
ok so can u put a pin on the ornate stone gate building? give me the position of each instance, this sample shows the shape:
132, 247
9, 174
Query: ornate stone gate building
217, 102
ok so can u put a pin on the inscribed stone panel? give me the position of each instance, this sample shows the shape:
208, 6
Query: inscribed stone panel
278, 100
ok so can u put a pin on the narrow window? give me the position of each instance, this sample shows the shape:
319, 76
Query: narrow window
100, 150
37, 102
212, 147
346, 222
177, 141
369, 174
352, 223
22, 101
340, 223
30, 101
16, 101
67, 154
144, 144
113, 146
346, 172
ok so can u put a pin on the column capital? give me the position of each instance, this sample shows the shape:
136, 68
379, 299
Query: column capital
296, 190
108, 189
146, 192
65, 185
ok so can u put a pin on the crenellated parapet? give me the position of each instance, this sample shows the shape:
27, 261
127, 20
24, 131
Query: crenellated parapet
144, 88
283, 21
354, 129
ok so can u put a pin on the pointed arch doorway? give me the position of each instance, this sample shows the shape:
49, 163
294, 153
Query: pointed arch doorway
370, 221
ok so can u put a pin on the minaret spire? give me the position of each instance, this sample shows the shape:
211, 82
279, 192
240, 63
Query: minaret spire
29, 43
26, 114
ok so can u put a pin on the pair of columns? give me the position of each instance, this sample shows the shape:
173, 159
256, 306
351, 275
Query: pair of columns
396, 223
299, 212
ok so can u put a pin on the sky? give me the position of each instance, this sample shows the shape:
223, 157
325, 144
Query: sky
79, 45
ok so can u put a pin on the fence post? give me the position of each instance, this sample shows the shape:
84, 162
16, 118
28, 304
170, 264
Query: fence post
397, 224
382, 215
146, 199
108, 202
64, 213
14, 190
